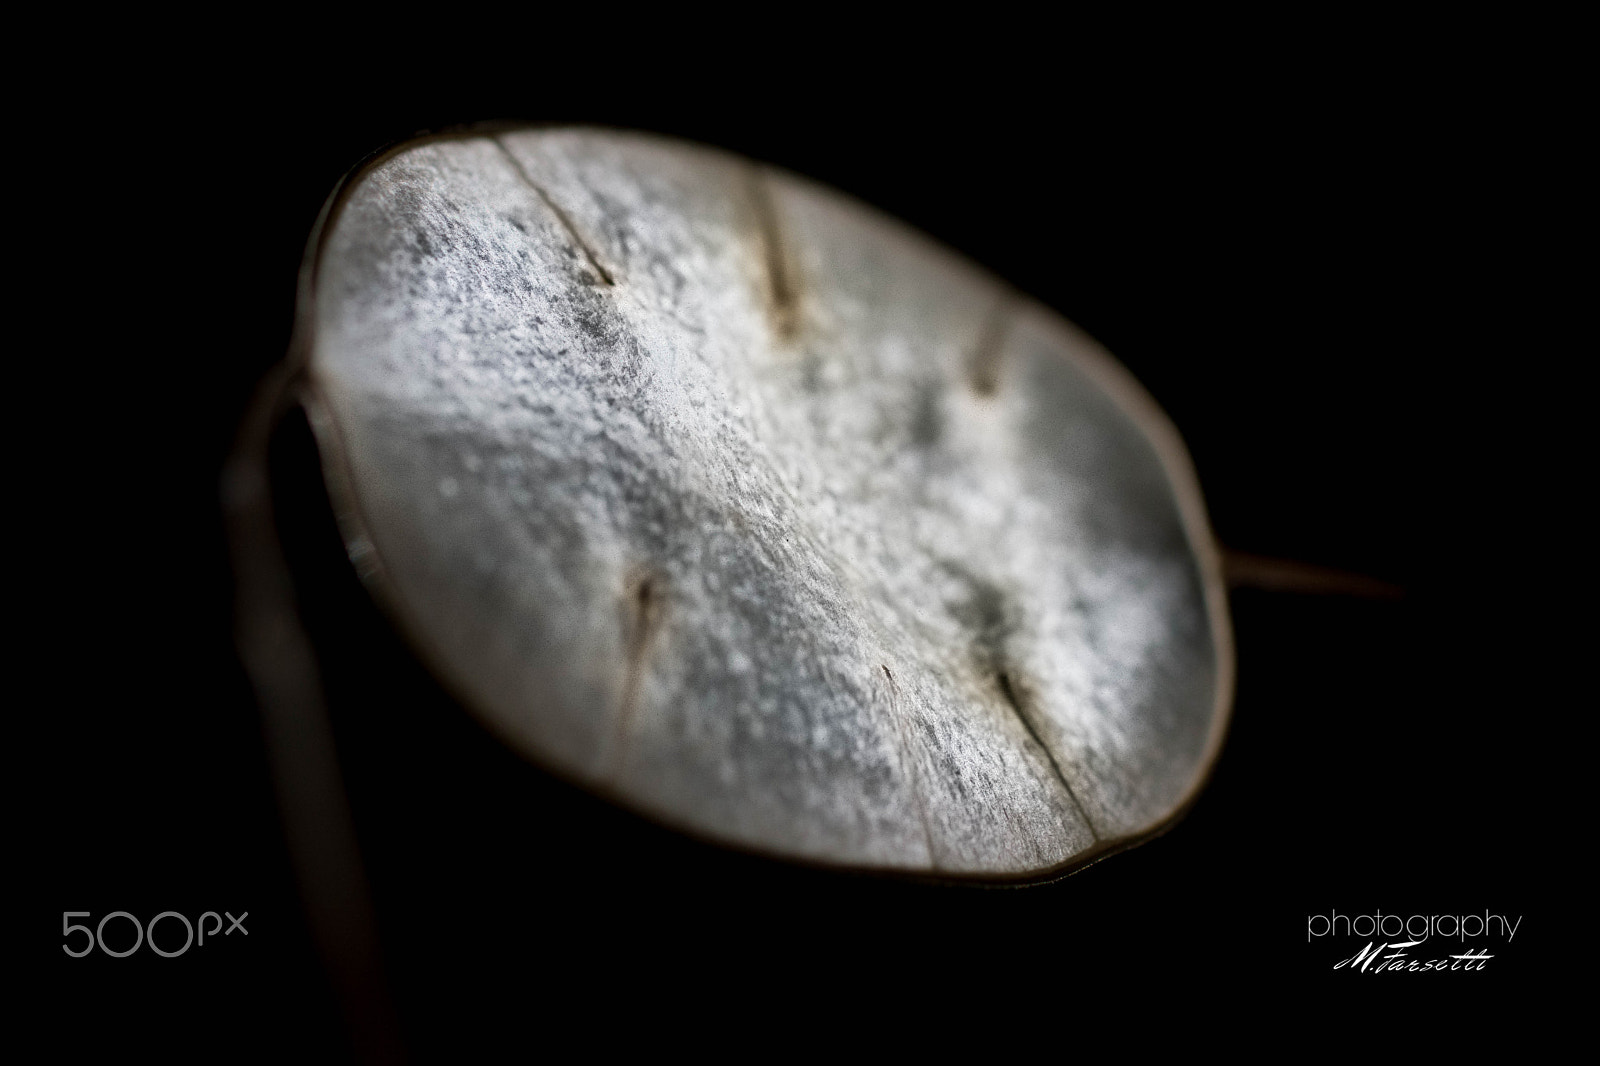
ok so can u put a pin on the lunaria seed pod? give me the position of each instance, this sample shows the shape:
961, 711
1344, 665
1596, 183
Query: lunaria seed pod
744, 506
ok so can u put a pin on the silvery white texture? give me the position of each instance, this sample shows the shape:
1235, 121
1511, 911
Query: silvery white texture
759, 513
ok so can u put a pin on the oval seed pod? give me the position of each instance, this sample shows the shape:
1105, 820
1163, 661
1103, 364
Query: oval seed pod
759, 513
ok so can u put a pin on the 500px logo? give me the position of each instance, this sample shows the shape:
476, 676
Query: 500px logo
1391, 955
145, 933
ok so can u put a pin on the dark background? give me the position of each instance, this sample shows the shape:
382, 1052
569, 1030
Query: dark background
1331, 270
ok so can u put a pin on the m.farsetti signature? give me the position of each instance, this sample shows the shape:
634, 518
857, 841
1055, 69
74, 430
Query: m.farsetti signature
1397, 959
1393, 956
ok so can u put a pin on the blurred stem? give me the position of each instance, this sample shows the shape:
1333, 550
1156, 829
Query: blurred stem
278, 658
1244, 570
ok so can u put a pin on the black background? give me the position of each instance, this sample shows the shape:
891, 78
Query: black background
1329, 267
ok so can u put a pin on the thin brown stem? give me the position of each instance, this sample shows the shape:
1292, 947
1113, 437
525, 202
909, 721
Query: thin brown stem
1244, 570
